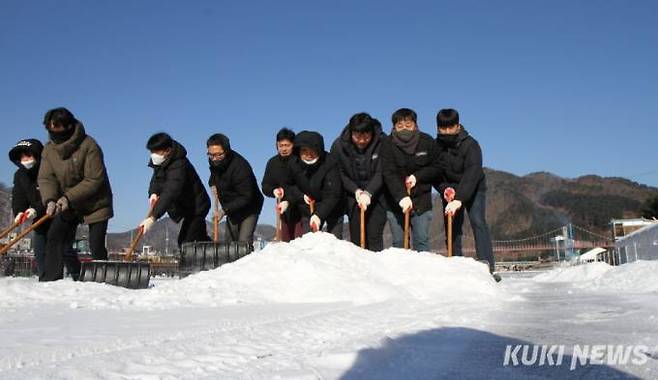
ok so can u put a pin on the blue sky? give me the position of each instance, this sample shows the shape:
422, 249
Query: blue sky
569, 87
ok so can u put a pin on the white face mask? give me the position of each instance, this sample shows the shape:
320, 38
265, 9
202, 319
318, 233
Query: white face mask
157, 159
29, 164
311, 162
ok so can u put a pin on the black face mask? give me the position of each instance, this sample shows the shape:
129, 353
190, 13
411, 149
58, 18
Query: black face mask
218, 164
60, 137
449, 140
405, 134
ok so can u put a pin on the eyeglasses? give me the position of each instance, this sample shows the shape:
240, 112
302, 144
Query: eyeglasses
218, 156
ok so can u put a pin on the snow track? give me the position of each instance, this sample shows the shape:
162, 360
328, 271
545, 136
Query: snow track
415, 316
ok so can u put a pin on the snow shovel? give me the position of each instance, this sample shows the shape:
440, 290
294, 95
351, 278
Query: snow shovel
26, 231
128, 274
199, 256
363, 228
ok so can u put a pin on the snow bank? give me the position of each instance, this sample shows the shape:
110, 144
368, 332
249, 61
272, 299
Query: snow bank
317, 268
586, 272
639, 276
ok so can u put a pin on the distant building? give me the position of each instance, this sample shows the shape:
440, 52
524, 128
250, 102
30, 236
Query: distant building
624, 227
641, 244
596, 254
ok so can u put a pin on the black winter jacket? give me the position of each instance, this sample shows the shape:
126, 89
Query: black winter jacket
277, 174
181, 191
461, 167
397, 165
237, 187
25, 193
360, 170
320, 181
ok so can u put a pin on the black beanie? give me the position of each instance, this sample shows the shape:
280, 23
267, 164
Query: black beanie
31, 146
310, 139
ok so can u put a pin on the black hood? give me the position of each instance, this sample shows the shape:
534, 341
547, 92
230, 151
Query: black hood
310, 139
32, 146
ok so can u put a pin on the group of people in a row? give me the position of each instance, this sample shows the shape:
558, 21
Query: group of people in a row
366, 172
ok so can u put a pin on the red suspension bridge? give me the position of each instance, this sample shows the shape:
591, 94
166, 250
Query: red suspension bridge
563, 241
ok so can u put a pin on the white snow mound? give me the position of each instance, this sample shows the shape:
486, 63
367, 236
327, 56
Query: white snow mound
585, 272
639, 276
317, 268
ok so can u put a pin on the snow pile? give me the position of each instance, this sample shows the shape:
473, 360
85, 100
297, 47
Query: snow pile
317, 268
639, 276
586, 272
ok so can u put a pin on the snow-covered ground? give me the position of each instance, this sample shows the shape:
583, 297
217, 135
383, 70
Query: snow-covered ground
323, 308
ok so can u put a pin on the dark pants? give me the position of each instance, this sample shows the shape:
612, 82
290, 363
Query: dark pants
291, 227
243, 230
39, 245
97, 233
193, 229
375, 220
420, 229
475, 207
59, 241
334, 225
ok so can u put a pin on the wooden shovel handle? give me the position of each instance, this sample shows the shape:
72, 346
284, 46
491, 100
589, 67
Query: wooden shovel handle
215, 218
26, 231
311, 206
140, 233
133, 244
10, 228
449, 237
363, 228
277, 233
406, 223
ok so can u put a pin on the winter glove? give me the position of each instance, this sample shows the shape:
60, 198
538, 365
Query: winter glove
315, 223
282, 206
146, 224
308, 199
363, 199
63, 203
220, 213
30, 213
51, 208
410, 181
278, 193
452, 207
449, 194
153, 198
20, 218
25, 215
406, 204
